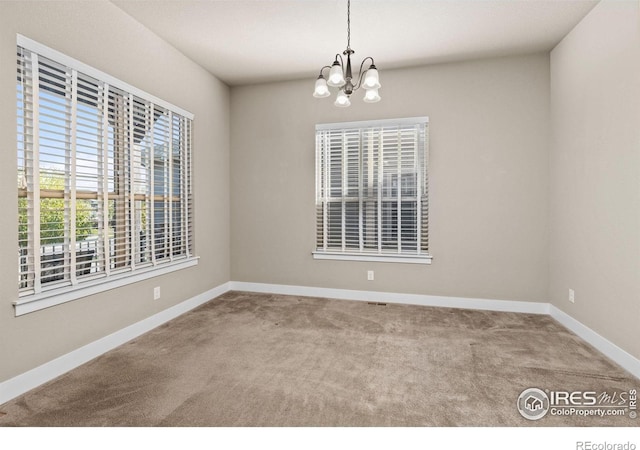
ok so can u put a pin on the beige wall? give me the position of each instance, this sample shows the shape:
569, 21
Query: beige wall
595, 173
488, 188
498, 195
101, 35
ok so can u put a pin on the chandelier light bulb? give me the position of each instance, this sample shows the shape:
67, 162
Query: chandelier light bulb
322, 90
336, 77
342, 100
371, 96
371, 80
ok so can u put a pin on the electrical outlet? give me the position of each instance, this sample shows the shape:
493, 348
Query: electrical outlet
572, 296
156, 292
370, 275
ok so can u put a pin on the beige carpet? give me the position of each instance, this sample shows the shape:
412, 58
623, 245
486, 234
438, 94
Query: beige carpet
271, 360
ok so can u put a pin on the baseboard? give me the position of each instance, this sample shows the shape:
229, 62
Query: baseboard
33, 378
608, 348
388, 297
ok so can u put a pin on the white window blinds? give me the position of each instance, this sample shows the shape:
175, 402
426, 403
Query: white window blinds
371, 190
104, 177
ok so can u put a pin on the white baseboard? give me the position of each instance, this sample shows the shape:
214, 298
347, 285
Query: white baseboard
388, 297
608, 348
35, 377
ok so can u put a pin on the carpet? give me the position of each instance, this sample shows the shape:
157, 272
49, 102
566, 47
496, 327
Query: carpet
246, 359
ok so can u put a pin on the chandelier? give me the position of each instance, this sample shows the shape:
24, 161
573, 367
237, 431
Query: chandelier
340, 76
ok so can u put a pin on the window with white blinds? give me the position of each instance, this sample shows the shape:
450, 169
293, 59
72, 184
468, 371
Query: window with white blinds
371, 191
104, 177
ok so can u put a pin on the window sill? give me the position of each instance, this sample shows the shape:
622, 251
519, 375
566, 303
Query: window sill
47, 299
374, 257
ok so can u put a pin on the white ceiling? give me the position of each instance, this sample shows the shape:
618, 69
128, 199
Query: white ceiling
251, 41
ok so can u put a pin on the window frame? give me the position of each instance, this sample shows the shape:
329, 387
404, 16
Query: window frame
418, 256
47, 296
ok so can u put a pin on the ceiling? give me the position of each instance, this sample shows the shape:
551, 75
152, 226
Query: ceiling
252, 41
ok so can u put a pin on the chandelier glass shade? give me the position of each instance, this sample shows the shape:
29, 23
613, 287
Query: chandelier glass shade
340, 76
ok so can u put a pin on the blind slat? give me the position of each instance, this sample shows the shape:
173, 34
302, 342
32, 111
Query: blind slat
371, 187
104, 178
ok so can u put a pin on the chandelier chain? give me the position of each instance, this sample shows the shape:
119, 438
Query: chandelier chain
348, 24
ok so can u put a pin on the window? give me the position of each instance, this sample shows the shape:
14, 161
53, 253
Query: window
104, 180
371, 191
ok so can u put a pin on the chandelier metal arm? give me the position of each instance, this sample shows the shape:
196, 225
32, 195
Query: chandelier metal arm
325, 67
342, 66
361, 73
